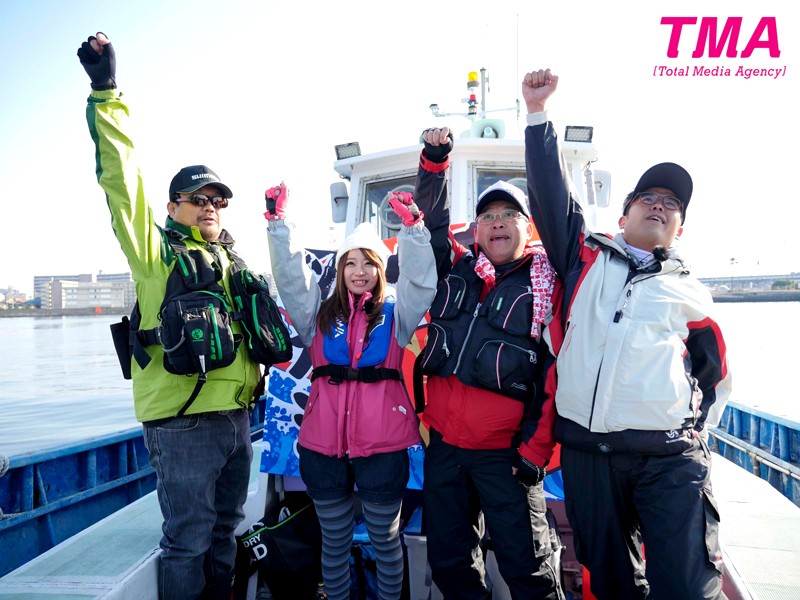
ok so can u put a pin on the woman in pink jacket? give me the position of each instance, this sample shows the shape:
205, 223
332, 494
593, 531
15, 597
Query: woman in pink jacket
359, 421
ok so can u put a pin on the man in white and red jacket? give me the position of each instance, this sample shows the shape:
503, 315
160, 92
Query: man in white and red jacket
642, 374
490, 427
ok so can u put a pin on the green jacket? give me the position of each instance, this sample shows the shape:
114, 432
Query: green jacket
157, 394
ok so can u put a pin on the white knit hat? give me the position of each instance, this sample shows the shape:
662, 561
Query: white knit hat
364, 236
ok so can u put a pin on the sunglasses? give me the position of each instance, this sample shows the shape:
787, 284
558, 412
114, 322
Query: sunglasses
203, 200
506, 216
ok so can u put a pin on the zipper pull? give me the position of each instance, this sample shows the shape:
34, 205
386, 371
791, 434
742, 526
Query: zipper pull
532, 354
477, 308
446, 349
618, 314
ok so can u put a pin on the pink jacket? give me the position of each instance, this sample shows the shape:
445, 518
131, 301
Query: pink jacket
356, 419
369, 417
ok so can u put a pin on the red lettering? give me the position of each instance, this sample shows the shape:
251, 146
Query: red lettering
708, 33
771, 43
675, 36
728, 38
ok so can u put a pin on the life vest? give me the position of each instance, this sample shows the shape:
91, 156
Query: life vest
337, 352
485, 344
195, 319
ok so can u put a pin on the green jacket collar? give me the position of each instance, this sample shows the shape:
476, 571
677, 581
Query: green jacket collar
193, 232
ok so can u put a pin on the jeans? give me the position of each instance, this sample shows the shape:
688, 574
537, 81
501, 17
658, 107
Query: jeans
202, 463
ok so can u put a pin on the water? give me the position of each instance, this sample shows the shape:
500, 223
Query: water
60, 380
762, 339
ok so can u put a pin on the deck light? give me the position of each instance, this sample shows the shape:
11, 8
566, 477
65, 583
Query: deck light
350, 150
577, 133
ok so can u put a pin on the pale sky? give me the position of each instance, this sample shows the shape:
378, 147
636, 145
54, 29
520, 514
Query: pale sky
262, 91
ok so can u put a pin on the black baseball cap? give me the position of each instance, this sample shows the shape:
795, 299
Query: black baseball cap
506, 192
190, 179
664, 175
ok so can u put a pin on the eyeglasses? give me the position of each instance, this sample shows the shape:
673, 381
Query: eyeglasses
203, 200
505, 216
668, 202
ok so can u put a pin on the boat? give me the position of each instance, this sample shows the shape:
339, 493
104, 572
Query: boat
759, 505
47, 497
767, 445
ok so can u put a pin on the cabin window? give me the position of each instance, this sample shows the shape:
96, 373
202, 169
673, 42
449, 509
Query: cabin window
486, 177
376, 204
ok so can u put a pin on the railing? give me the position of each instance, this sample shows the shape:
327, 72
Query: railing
765, 444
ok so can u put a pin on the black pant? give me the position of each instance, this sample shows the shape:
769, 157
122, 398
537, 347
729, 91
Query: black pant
615, 502
459, 485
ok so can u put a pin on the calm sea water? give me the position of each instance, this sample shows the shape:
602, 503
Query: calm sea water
60, 380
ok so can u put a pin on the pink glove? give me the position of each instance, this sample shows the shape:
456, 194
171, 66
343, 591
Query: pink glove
402, 203
276, 198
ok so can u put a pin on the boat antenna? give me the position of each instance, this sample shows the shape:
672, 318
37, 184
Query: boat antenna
518, 87
484, 81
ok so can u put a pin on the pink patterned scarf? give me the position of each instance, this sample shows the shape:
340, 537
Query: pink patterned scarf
542, 279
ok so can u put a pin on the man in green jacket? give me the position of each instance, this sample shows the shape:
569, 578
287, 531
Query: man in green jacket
196, 428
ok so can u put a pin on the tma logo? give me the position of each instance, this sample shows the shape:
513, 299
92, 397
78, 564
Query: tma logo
765, 35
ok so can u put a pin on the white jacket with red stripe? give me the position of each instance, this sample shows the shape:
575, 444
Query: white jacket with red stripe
637, 350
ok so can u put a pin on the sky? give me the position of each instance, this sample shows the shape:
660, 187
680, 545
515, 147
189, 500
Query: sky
262, 91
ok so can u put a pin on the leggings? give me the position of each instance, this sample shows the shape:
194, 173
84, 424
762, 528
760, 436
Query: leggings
383, 527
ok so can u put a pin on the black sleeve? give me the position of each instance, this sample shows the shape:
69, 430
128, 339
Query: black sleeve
430, 195
707, 354
556, 213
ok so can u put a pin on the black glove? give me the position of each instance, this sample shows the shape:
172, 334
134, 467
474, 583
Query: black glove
438, 153
527, 472
101, 68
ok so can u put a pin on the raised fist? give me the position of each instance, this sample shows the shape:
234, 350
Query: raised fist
277, 197
438, 143
402, 203
537, 87
99, 61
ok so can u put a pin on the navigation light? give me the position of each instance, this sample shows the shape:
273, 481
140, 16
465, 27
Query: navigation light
472, 88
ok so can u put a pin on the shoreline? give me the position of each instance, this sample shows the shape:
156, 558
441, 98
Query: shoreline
757, 296
732, 296
99, 311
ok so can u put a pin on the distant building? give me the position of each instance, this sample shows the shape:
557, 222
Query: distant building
104, 290
107, 290
42, 287
122, 280
749, 282
10, 298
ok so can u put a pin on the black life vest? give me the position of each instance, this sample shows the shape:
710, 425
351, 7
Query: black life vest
485, 344
195, 319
